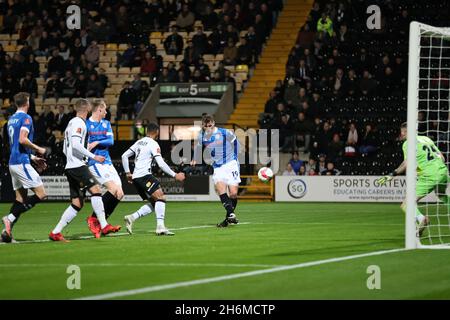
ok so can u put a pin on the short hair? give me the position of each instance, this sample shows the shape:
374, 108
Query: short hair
403, 125
97, 103
21, 99
82, 104
207, 118
152, 127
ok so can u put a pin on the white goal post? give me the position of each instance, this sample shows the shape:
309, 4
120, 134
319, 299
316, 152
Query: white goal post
428, 94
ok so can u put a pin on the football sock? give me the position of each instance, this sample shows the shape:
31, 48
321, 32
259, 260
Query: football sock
97, 204
110, 202
419, 216
160, 210
234, 201
67, 217
18, 208
227, 204
142, 212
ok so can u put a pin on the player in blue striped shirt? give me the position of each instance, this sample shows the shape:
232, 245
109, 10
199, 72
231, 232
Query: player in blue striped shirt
23, 175
101, 138
222, 148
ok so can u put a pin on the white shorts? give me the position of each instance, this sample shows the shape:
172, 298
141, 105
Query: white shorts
24, 176
228, 173
104, 173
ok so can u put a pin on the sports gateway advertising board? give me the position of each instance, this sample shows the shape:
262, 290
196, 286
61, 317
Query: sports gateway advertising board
341, 189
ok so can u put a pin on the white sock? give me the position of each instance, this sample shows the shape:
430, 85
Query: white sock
160, 210
420, 218
99, 209
66, 218
11, 218
142, 212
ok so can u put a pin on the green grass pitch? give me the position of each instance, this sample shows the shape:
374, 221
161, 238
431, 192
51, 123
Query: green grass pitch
271, 235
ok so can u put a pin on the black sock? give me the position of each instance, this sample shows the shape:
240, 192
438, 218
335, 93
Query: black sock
109, 203
227, 203
18, 208
112, 204
234, 202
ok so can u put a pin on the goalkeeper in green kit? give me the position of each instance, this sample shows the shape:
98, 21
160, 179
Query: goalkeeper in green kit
432, 174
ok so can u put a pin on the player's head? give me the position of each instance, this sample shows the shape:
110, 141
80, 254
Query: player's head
98, 109
83, 107
403, 131
208, 123
152, 130
22, 101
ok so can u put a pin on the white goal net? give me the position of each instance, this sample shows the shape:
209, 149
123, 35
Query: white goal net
428, 107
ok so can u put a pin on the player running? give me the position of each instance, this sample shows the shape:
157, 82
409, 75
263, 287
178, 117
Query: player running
223, 147
145, 151
24, 176
101, 138
78, 174
432, 174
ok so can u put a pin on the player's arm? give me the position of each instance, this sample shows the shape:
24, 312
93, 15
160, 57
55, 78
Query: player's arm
166, 169
25, 142
400, 170
231, 137
156, 153
197, 150
78, 147
126, 164
104, 143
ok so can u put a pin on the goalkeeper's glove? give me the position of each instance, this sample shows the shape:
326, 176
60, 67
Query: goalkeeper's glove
384, 180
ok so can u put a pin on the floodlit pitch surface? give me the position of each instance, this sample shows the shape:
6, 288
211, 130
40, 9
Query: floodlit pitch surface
280, 251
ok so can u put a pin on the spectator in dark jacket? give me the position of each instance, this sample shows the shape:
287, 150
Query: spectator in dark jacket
61, 119
368, 141
127, 99
55, 64
173, 44
53, 87
29, 84
200, 41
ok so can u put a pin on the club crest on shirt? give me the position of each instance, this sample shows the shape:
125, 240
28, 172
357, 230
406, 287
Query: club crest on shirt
79, 130
218, 136
104, 125
92, 126
27, 121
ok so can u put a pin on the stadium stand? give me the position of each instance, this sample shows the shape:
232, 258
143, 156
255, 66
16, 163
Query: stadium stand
340, 78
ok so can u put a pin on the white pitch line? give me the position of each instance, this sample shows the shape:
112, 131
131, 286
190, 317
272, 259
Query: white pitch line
115, 234
150, 264
126, 293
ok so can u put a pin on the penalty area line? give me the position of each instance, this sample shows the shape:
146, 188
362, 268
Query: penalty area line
119, 294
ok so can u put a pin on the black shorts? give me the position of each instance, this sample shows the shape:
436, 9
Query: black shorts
80, 179
146, 186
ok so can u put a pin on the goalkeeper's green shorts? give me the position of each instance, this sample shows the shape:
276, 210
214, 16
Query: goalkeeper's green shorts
428, 183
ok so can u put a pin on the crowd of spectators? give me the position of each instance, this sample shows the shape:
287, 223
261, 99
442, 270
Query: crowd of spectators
313, 167
329, 65
74, 55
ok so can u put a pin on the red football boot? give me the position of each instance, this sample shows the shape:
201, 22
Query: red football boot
57, 237
94, 226
110, 229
